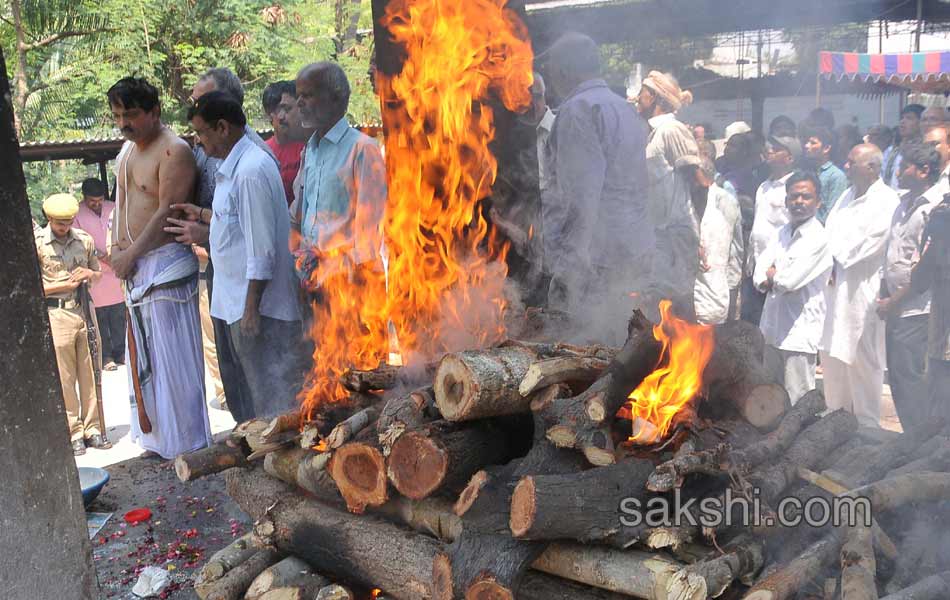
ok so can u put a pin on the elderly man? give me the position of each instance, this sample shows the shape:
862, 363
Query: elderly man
280, 105
852, 344
195, 233
598, 237
718, 227
819, 143
95, 218
793, 271
343, 178
939, 138
906, 312
781, 156
669, 191
255, 287
935, 116
154, 170
68, 259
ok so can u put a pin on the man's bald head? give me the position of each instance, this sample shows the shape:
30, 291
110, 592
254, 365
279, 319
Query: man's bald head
573, 59
864, 166
939, 137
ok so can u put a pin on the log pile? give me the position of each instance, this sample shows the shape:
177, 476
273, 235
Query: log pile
507, 473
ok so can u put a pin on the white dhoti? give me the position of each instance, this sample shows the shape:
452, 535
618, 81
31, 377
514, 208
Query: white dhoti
857, 387
162, 298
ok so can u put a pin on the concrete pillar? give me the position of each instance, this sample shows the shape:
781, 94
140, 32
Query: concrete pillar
44, 545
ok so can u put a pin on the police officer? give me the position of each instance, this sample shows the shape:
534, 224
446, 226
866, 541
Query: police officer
68, 259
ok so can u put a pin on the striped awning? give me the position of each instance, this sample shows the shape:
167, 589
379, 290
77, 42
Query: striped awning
913, 70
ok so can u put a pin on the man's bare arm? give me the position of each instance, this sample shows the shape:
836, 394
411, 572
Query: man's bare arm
176, 180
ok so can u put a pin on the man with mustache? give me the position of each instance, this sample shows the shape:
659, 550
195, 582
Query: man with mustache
154, 170
280, 105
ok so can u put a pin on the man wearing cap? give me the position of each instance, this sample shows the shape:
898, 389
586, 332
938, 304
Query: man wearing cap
781, 156
670, 206
67, 259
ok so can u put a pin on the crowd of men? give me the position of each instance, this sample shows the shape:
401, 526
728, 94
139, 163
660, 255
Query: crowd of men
831, 243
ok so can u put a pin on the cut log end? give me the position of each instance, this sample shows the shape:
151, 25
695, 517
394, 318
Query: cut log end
470, 493
523, 507
451, 387
359, 471
562, 436
599, 457
765, 405
488, 590
442, 577
417, 466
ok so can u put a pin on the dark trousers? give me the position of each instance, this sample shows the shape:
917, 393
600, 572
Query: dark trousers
906, 346
938, 379
753, 301
236, 391
112, 332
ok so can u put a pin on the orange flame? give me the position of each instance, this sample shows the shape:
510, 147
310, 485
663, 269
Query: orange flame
444, 287
686, 349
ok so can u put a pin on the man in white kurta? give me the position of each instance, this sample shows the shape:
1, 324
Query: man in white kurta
793, 271
852, 345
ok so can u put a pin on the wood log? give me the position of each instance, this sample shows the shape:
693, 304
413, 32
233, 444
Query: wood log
873, 461
736, 374
576, 370
889, 494
788, 580
938, 461
475, 384
236, 581
365, 550
213, 459
383, 377
443, 456
583, 421
935, 587
281, 424
249, 432
481, 565
711, 577
299, 592
335, 592
224, 560
359, 470
290, 572
555, 349
347, 429
582, 506
858, 569
404, 413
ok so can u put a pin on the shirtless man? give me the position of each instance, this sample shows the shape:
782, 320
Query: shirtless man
155, 169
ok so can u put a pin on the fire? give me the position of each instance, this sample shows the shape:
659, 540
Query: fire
686, 348
444, 286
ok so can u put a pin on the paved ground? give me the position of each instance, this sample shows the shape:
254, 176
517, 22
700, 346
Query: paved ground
190, 521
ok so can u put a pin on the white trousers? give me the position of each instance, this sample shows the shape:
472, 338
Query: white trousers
856, 387
798, 373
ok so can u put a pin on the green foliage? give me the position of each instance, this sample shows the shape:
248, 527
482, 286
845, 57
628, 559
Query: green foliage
171, 43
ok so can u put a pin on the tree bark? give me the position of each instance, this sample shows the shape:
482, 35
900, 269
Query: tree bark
236, 581
223, 561
858, 569
350, 427
575, 370
405, 413
289, 572
481, 383
213, 459
383, 377
335, 592
443, 456
785, 582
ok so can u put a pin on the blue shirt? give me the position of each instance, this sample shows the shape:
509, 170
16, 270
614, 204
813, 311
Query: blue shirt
833, 183
595, 213
250, 227
344, 195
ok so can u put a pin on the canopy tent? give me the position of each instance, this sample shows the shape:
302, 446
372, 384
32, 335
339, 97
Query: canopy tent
927, 72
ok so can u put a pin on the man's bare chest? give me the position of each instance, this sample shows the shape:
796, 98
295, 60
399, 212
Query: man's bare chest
141, 175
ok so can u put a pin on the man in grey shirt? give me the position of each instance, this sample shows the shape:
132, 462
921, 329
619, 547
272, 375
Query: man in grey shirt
598, 238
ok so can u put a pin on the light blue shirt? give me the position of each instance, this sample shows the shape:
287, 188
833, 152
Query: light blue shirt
833, 184
249, 232
344, 195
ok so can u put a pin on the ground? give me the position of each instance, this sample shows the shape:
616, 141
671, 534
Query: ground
190, 521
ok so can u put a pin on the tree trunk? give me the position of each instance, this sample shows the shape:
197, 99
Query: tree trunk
858, 569
223, 561
236, 581
443, 456
359, 470
383, 377
213, 459
350, 427
475, 384
575, 370
482, 565
405, 413
21, 85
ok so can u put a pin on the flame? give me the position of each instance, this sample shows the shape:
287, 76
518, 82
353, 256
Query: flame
444, 287
376, 593
320, 446
686, 348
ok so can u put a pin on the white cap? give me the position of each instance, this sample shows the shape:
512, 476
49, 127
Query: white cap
737, 128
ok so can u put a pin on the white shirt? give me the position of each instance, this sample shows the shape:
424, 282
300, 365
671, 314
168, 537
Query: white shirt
720, 238
794, 313
250, 227
770, 216
858, 230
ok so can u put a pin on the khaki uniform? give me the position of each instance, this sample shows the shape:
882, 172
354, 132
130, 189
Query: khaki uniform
57, 259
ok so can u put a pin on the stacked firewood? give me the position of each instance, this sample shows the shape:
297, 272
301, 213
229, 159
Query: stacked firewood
507, 477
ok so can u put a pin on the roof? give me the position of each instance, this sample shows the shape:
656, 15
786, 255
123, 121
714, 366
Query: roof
102, 149
922, 71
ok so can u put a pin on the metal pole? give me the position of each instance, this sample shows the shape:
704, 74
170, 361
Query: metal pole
920, 24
